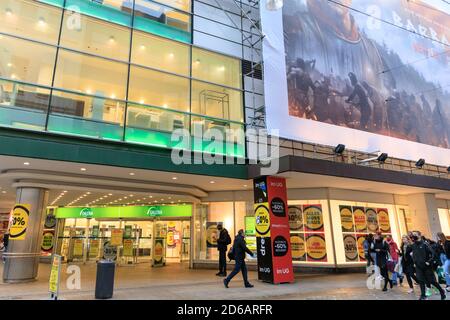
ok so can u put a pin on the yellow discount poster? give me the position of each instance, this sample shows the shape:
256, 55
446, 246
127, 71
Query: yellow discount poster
262, 220
19, 222
360, 241
383, 221
78, 247
298, 247
116, 237
128, 247
313, 218
316, 248
346, 218
94, 248
359, 216
55, 274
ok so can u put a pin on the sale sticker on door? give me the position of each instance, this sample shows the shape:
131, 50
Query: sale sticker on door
19, 222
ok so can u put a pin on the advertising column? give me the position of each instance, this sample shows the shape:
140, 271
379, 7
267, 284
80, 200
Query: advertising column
272, 230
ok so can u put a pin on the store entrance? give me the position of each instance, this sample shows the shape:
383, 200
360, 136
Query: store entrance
127, 242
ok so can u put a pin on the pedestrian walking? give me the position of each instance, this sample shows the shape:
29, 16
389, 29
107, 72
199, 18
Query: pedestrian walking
423, 260
222, 245
407, 262
239, 251
445, 257
367, 252
381, 248
394, 253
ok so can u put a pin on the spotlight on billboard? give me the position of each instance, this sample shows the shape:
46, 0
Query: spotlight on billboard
274, 5
420, 163
339, 149
382, 157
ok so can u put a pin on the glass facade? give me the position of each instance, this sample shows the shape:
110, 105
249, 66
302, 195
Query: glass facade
116, 70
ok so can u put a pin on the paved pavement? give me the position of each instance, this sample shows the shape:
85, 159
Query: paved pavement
175, 281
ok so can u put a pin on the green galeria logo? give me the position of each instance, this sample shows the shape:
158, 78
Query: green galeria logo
154, 212
86, 213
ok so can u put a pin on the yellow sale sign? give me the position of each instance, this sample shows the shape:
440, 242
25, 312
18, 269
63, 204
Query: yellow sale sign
19, 222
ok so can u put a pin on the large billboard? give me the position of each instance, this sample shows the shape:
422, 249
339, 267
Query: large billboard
373, 75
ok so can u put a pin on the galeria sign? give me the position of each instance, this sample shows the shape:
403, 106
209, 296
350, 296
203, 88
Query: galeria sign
272, 230
19, 222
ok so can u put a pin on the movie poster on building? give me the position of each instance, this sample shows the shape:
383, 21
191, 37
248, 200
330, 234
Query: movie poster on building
350, 248
383, 220
313, 218
212, 234
372, 220
360, 238
295, 218
316, 248
340, 79
359, 216
346, 219
298, 247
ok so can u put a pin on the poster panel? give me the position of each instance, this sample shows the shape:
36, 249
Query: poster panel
350, 248
212, 234
298, 247
372, 220
313, 218
383, 220
339, 79
316, 248
359, 216
295, 218
346, 218
94, 248
19, 222
360, 238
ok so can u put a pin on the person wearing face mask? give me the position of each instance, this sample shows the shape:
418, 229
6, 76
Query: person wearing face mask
423, 260
381, 249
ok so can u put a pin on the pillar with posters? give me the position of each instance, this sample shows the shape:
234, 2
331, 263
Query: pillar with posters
272, 230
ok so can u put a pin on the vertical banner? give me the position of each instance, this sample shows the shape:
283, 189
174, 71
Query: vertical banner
272, 230
116, 237
94, 248
158, 253
55, 275
128, 247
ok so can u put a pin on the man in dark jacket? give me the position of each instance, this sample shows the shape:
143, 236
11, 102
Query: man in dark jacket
222, 245
381, 249
239, 249
423, 260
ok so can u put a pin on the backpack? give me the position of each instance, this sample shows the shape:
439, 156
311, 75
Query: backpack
228, 240
231, 255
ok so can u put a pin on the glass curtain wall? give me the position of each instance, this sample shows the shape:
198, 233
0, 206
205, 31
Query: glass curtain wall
121, 70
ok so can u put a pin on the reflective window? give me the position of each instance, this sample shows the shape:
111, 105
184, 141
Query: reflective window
184, 5
159, 53
158, 89
217, 68
215, 101
91, 75
30, 19
117, 11
26, 61
162, 20
96, 36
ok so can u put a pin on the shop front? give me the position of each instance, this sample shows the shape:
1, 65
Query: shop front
128, 235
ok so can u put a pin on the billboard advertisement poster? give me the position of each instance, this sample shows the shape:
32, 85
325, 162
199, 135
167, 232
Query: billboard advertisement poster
359, 216
298, 247
47, 240
372, 220
94, 248
346, 218
351, 248
116, 237
128, 247
340, 79
316, 248
212, 234
360, 238
19, 222
78, 248
295, 218
383, 220
158, 253
313, 218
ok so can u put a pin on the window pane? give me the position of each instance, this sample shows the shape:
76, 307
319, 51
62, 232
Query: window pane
84, 115
159, 53
161, 20
215, 101
17, 62
117, 11
30, 19
184, 5
96, 37
213, 67
23, 106
158, 89
152, 126
91, 75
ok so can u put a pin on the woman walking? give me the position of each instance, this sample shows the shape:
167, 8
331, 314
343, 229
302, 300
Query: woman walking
408, 263
381, 248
